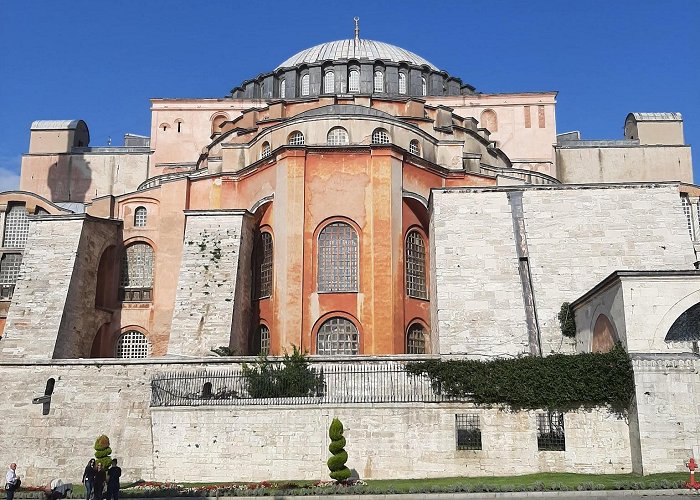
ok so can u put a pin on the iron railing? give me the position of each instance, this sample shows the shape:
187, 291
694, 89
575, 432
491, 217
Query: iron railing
340, 383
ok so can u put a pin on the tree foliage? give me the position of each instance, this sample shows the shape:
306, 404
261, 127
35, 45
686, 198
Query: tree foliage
293, 377
336, 463
567, 323
103, 451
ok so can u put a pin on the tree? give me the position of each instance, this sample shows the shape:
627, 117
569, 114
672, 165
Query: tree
103, 452
336, 463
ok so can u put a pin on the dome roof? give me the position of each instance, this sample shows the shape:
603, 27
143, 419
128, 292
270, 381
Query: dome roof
354, 49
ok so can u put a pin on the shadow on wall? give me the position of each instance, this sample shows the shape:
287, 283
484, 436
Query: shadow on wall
69, 179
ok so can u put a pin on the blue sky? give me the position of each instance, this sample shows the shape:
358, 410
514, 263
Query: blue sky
101, 61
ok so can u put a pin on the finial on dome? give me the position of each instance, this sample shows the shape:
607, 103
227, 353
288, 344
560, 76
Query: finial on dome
357, 29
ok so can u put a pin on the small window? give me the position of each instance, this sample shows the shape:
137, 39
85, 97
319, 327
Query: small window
415, 339
424, 86
414, 147
468, 431
283, 88
140, 215
380, 136
402, 83
338, 136
206, 390
329, 82
296, 138
132, 344
415, 266
337, 336
685, 202
354, 81
378, 82
178, 123
164, 126
305, 85
264, 340
550, 431
265, 151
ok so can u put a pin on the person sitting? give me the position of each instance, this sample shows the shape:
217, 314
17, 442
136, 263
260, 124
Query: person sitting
58, 489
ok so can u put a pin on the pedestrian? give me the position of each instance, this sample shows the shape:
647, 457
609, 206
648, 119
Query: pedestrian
12, 481
113, 475
99, 485
89, 478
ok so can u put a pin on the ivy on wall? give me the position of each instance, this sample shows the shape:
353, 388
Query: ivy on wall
557, 382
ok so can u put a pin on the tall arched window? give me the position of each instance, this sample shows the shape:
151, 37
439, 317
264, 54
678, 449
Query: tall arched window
424, 86
329, 82
16, 227
354, 81
132, 344
489, 120
305, 85
378, 82
380, 136
260, 343
415, 266
337, 136
265, 151
140, 216
283, 88
402, 83
415, 339
337, 258
337, 336
296, 138
414, 147
136, 280
263, 265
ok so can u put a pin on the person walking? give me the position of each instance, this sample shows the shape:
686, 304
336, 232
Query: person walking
12, 481
99, 484
113, 475
89, 478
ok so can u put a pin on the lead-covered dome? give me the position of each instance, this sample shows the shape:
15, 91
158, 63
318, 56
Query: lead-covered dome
344, 50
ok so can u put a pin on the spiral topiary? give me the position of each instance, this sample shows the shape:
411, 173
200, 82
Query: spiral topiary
336, 463
103, 451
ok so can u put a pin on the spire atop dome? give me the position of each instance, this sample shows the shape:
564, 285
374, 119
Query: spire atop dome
357, 29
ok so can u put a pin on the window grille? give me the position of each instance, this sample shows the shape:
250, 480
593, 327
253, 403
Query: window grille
424, 86
414, 148
415, 339
338, 136
380, 136
264, 333
329, 82
688, 215
140, 215
378, 81
136, 280
415, 266
296, 138
305, 85
16, 227
337, 258
402, 83
265, 151
550, 431
132, 344
283, 89
337, 336
354, 81
468, 431
9, 268
263, 266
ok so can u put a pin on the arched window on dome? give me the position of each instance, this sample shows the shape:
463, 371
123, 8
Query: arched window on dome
414, 147
354, 81
329, 82
380, 136
415, 266
402, 83
140, 217
415, 339
378, 81
305, 85
132, 345
489, 120
296, 138
283, 88
265, 150
337, 336
136, 278
424, 86
337, 258
337, 136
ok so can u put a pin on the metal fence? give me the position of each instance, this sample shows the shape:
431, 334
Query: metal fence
386, 382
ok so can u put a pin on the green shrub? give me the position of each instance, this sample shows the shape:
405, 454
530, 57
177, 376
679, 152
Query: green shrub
336, 463
567, 323
294, 377
103, 451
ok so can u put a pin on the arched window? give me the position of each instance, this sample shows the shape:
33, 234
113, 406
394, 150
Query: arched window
354, 81
329, 82
414, 147
305, 85
685, 328
16, 227
140, 216
337, 258
260, 343
337, 136
178, 124
489, 120
402, 83
296, 138
424, 86
337, 336
415, 266
136, 280
265, 151
380, 136
378, 82
263, 265
283, 88
603, 335
132, 344
206, 390
216, 124
415, 339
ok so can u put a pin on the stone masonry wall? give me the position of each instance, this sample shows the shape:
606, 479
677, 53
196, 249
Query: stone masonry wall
204, 302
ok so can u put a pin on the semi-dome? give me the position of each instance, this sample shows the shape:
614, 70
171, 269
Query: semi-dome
343, 50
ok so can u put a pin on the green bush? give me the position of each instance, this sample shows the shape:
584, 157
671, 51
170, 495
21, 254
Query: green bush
294, 377
567, 323
103, 451
336, 463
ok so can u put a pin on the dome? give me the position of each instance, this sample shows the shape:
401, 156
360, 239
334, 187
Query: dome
342, 50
